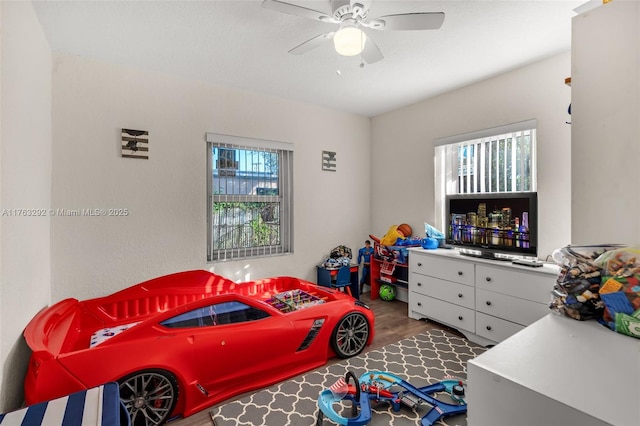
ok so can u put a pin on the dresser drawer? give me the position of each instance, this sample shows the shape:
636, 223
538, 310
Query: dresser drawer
440, 267
510, 308
421, 306
458, 294
524, 285
495, 329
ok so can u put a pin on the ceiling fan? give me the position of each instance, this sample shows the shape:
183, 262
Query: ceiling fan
350, 39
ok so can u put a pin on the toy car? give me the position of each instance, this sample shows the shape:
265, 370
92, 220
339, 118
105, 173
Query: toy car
179, 343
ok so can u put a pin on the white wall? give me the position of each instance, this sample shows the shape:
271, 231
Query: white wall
165, 231
605, 84
25, 183
402, 146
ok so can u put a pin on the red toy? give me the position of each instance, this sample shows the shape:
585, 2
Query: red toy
182, 342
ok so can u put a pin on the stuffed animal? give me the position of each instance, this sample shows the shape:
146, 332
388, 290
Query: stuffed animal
394, 233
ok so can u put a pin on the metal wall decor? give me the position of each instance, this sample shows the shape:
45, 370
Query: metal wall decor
135, 143
329, 161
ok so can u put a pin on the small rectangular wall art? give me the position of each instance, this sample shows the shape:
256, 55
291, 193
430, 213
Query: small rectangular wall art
329, 161
135, 143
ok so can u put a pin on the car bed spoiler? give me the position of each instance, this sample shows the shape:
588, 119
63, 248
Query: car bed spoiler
49, 327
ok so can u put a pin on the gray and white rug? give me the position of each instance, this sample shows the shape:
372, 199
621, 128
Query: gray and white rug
421, 360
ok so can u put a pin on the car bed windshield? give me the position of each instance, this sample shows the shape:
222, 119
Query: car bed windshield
217, 314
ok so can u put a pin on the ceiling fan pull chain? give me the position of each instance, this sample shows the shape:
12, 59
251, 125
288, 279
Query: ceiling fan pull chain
362, 41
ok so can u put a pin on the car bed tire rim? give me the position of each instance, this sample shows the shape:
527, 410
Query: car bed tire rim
149, 398
352, 334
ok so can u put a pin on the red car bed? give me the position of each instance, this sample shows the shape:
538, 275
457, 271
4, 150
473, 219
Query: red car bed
182, 342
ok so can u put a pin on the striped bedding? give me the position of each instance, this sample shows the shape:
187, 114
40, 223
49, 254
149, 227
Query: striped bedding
99, 406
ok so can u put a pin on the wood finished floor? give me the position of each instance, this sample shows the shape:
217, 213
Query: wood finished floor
392, 325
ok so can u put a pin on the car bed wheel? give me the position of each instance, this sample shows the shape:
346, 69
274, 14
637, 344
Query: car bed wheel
149, 396
350, 335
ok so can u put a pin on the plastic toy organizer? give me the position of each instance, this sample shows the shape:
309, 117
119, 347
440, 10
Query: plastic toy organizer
293, 300
386, 272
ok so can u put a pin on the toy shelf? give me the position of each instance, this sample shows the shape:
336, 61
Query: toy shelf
389, 267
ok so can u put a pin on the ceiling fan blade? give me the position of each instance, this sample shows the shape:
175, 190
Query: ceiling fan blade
311, 43
371, 53
408, 21
293, 9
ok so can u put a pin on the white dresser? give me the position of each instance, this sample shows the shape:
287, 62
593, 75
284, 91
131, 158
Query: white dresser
558, 371
486, 300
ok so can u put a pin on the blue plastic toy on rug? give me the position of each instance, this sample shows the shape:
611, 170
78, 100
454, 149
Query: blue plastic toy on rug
376, 386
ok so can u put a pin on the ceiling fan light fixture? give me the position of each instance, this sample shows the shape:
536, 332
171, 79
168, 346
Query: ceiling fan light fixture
349, 40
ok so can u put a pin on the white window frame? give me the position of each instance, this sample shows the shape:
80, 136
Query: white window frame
284, 198
447, 162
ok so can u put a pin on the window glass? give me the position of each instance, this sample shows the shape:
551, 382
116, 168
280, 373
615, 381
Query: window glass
250, 199
218, 314
492, 160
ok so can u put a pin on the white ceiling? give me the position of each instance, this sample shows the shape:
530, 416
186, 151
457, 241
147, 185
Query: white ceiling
238, 43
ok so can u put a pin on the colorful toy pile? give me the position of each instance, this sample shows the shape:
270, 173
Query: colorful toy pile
620, 290
339, 256
293, 300
575, 293
599, 282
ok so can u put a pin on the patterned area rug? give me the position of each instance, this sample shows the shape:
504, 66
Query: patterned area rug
421, 360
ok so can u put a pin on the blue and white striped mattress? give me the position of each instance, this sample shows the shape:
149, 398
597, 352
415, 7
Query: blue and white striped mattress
99, 406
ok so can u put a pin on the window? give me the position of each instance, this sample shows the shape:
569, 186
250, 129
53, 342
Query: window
250, 197
219, 314
500, 159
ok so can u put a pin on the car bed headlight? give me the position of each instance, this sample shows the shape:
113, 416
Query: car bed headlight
362, 305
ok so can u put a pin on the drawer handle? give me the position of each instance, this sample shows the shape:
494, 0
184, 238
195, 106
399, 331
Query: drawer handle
459, 294
419, 284
419, 264
488, 279
460, 273
488, 302
419, 303
489, 327
460, 317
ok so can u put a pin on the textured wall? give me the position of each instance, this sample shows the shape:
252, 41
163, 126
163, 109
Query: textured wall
165, 230
25, 136
402, 145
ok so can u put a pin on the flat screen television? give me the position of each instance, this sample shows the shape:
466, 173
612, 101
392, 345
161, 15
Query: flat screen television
500, 226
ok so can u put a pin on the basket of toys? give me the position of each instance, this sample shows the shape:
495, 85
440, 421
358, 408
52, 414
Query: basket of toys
576, 291
599, 282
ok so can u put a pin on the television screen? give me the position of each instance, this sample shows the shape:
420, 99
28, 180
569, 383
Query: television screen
493, 224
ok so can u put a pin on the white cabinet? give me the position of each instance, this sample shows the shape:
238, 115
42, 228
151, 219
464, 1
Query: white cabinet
449, 269
421, 306
514, 309
507, 299
442, 289
524, 282
494, 329
486, 300
558, 371
458, 294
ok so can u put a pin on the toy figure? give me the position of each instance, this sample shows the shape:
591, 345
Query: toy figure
364, 256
